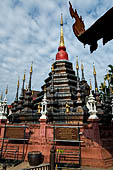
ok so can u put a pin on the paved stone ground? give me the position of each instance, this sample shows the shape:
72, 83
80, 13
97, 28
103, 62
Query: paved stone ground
26, 165
89, 168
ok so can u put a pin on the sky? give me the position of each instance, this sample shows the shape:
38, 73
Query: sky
30, 32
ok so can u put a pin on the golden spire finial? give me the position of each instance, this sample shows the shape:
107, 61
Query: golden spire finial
6, 91
18, 82
77, 66
94, 71
61, 32
24, 75
90, 85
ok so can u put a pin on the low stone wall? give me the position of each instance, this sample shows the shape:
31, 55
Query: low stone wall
96, 148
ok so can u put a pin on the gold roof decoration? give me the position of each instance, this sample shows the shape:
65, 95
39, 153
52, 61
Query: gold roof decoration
67, 108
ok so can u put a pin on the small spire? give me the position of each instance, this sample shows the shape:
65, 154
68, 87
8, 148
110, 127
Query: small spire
31, 70
82, 69
6, 91
77, 66
61, 32
22, 91
90, 85
94, 71
18, 82
16, 99
24, 75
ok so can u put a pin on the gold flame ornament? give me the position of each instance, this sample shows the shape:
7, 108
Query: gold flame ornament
67, 108
39, 108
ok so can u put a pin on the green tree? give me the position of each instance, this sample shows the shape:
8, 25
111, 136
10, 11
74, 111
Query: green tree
109, 76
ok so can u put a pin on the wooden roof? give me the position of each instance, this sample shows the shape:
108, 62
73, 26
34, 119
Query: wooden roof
102, 28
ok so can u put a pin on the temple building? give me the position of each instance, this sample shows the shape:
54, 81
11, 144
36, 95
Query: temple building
66, 94
67, 102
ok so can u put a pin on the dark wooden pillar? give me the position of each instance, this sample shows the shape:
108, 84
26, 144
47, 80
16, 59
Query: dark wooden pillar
52, 158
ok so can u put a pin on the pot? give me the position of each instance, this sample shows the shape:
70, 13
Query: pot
34, 158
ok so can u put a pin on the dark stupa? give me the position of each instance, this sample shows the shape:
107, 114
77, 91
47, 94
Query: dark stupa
61, 86
66, 95
24, 111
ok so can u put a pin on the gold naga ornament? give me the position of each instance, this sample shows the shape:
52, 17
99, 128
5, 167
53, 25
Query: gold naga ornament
67, 108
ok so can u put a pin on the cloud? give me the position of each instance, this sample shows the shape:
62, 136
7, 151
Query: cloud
30, 31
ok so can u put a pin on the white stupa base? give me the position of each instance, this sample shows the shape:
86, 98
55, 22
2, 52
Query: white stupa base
43, 116
94, 116
3, 117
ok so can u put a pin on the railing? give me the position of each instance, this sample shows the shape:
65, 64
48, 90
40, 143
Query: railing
39, 167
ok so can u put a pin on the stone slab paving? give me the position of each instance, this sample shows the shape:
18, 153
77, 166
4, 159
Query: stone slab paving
20, 166
26, 165
89, 168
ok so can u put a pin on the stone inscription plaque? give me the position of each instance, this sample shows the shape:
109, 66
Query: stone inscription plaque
12, 132
66, 133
